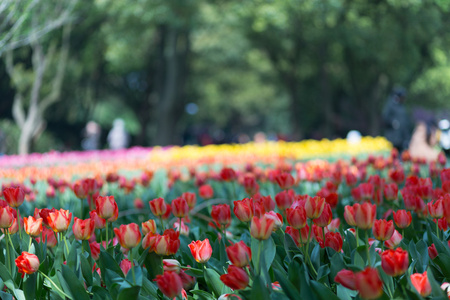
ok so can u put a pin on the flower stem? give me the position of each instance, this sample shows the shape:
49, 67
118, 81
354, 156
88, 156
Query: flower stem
51, 281
29, 245
18, 222
437, 229
132, 266
65, 242
162, 224
8, 257
357, 237
367, 247
107, 240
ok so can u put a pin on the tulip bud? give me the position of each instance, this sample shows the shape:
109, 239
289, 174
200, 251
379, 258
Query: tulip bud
436, 209
243, 209
171, 265
334, 241
6, 217
285, 180
27, 263
158, 207
59, 220
394, 262
391, 191
325, 217
250, 185
14, 196
206, 191
261, 228
239, 254
221, 215
421, 283
190, 198
129, 235
125, 266
349, 215
402, 218
201, 250
83, 229
106, 207
169, 284
296, 217
365, 215
276, 217
285, 199
236, 279
314, 207
228, 174
394, 241
346, 278
148, 226
383, 230
180, 207
432, 251
369, 284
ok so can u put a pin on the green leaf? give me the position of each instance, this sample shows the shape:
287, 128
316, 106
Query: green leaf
74, 286
100, 293
213, 281
443, 261
323, 292
149, 287
131, 293
86, 270
5, 296
358, 260
435, 287
290, 246
153, 263
344, 293
137, 274
29, 286
203, 295
288, 288
259, 289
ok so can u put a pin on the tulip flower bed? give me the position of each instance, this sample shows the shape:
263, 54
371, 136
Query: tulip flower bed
372, 228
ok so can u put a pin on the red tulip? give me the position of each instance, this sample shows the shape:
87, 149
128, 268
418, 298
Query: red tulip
296, 217
365, 215
236, 279
180, 207
436, 209
285, 180
171, 265
48, 236
59, 220
158, 207
221, 215
351, 179
314, 207
243, 209
201, 250
27, 263
95, 250
188, 281
334, 241
294, 233
285, 199
83, 229
166, 244
129, 235
383, 230
432, 251
398, 176
266, 201
148, 226
206, 191
106, 207
239, 254
228, 174
276, 217
394, 241
14, 196
369, 284
6, 217
32, 226
250, 185
421, 283
346, 278
325, 217
349, 215
184, 229
191, 199
169, 284
261, 228
394, 262
402, 218
125, 266
391, 191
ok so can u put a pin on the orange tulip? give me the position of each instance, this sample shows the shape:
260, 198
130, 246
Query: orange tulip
201, 250
129, 235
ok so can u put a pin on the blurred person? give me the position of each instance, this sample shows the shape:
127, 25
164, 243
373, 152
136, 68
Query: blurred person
444, 140
259, 137
396, 119
91, 140
118, 137
423, 141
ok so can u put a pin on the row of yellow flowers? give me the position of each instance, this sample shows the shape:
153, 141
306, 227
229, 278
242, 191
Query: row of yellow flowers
193, 156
